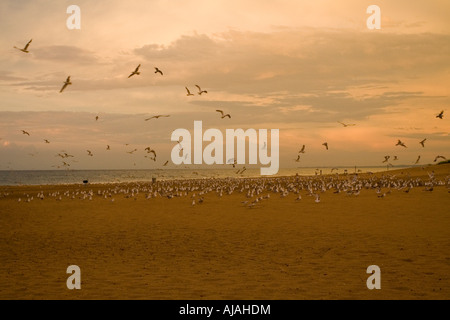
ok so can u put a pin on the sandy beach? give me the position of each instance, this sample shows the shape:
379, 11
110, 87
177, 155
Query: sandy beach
280, 248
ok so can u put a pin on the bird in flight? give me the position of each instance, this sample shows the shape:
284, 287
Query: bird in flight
188, 92
223, 115
158, 116
66, 83
136, 71
440, 115
200, 91
158, 71
150, 150
400, 143
46, 141
89, 153
24, 132
96, 118
386, 159
165, 164
417, 161
395, 158
302, 150
108, 147
131, 152
25, 49
325, 144
423, 142
298, 159
347, 125
439, 157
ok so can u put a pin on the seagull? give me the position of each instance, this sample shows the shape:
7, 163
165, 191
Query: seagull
440, 115
66, 83
149, 150
165, 164
400, 143
298, 159
108, 147
395, 158
158, 71
325, 144
439, 157
96, 118
347, 125
136, 71
24, 132
224, 115
158, 116
302, 150
423, 142
386, 159
25, 48
188, 92
417, 161
46, 141
131, 152
200, 91
89, 153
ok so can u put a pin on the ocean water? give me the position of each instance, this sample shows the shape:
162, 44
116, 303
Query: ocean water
57, 177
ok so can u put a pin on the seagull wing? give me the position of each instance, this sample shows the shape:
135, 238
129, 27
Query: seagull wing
63, 87
26, 46
221, 112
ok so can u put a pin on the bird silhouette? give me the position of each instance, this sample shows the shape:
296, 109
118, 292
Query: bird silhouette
25, 49
440, 115
200, 91
66, 83
158, 71
223, 115
325, 144
157, 117
400, 143
136, 71
188, 92
423, 142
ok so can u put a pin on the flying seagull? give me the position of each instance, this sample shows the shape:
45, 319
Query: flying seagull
200, 91
347, 125
46, 141
223, 115
439, 157
96, 118
325, 144
302, 150
158, 71
440, 115
158, 116
165, 164
66, 83
136, 71
89, 153
25, 48
386, 159
417, 161
188, 92
400, 143
24, 132
108, 147
395, 158
423, 142
298, 159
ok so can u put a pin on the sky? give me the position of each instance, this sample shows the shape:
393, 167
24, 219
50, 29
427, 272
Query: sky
294, 65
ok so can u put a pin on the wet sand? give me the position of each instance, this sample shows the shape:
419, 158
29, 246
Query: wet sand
160, 248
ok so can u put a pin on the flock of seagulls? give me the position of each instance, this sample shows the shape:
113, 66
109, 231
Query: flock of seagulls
253, 192
223, 115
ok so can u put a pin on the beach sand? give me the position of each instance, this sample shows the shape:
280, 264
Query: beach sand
164, 248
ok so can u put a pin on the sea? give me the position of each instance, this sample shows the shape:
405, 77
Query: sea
61, 177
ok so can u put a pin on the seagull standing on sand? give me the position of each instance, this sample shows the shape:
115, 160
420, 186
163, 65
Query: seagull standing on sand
66, 83
158, 71
25, 49
223, 115
136, 71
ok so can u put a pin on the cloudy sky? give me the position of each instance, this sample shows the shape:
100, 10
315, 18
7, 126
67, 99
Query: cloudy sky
295, 65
